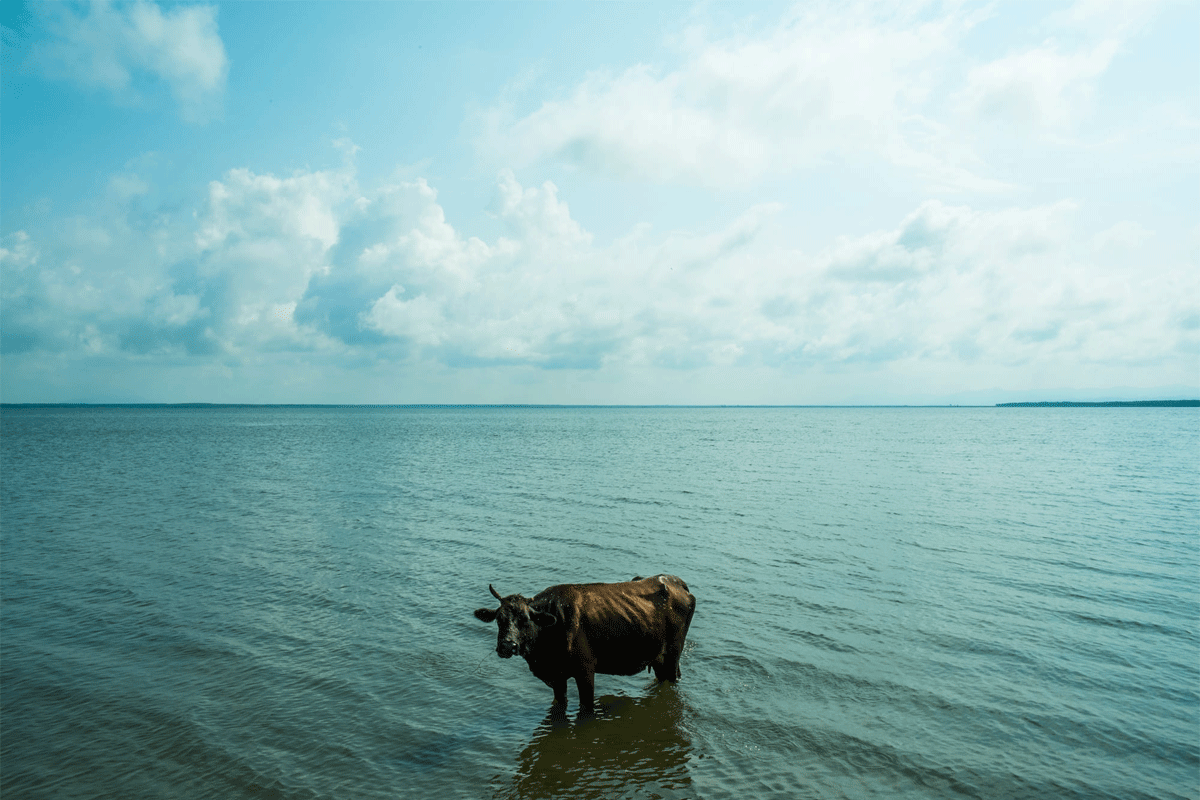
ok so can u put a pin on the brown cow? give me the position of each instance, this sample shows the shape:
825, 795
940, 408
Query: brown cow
578, 629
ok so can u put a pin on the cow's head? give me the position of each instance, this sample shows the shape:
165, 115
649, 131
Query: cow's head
519, 623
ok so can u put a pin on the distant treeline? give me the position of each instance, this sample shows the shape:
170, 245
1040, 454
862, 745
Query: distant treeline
1107, 404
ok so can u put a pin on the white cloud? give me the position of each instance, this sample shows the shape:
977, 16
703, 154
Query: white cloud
1053, 85
313, 263
1038, 87
414, 242
226, 278
818, 85
108, 47
536, 215
1124, 235
248, 207
949, 284
1105, 18
262, 239
419, 319
870, 84
1016, 287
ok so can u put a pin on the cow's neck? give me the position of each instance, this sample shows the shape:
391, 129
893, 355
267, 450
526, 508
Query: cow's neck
537, 656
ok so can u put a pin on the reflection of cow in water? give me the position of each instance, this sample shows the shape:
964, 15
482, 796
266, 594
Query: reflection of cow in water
639, 747
576, 630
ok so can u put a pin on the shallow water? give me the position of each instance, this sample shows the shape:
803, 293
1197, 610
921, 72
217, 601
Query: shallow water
276, 602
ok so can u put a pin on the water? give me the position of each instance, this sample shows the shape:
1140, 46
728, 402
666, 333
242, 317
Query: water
913, 603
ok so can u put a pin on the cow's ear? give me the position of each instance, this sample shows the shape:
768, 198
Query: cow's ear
485, 614
544, 619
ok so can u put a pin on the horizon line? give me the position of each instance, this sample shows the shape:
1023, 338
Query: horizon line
1184, 402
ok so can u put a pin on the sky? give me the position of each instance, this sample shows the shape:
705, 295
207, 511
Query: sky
599, 203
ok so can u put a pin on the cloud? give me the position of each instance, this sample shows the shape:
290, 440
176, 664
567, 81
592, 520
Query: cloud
868, 83
1038, 87
262, 239
1053, 84
223, 280
820, 84
1125, 235
112, 47
1014, 287
515, 301
316, 266
1104, 18
20, 297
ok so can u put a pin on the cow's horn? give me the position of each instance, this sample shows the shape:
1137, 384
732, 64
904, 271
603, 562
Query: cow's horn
495, 594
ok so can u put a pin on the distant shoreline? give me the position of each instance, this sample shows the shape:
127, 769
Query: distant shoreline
1039, 404
1106, 404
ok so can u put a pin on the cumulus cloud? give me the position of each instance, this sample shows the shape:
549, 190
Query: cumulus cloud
261, 239
224, 279
517, 300
111, 47
1016, 287
315, 263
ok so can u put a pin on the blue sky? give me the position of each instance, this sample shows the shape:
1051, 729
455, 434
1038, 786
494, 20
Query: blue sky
599, 203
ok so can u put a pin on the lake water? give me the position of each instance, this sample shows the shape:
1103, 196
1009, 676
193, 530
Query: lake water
912, 603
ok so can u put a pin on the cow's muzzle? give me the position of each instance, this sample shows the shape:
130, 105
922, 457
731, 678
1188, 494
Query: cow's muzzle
506, 650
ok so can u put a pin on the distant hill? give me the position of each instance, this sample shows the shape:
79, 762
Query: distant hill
1108, 404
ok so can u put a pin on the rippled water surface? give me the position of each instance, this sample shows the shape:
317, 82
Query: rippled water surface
914, 603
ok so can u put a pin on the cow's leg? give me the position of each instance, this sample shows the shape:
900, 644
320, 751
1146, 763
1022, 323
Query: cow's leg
586, 683
667, 669
676, 650
559, 685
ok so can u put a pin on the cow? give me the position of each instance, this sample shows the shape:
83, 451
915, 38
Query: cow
575, 630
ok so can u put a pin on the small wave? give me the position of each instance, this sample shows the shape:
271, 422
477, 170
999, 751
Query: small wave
821, 641
1130, 625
